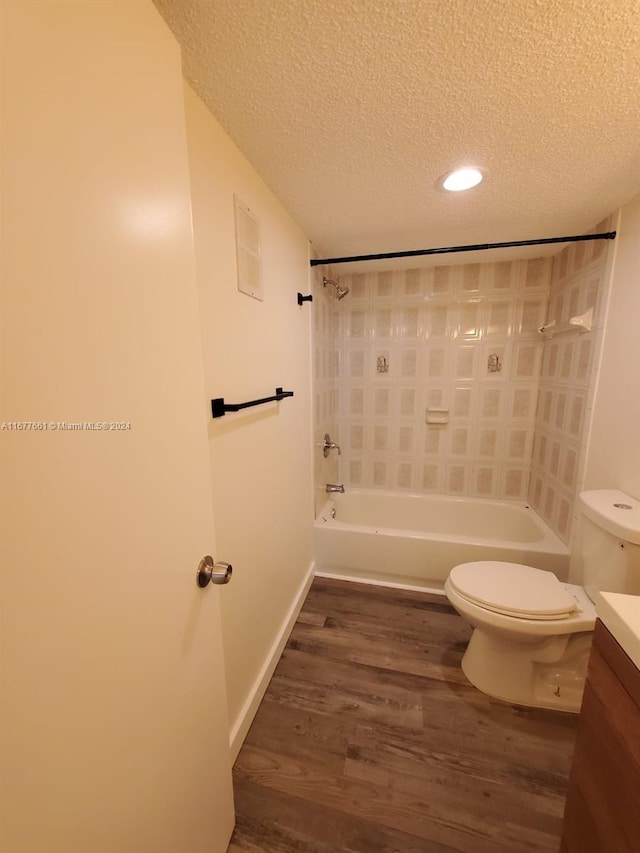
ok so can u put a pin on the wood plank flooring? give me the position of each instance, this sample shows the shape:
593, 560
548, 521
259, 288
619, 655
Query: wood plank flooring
370, 740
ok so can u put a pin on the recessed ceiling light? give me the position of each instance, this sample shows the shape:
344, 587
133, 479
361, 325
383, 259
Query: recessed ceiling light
461, 179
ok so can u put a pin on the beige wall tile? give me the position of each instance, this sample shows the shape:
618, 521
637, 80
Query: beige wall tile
436, 329
566, 384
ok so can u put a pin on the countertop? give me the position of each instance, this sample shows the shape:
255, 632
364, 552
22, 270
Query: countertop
621, 614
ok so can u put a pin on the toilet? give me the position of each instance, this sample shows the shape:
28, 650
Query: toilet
532, 632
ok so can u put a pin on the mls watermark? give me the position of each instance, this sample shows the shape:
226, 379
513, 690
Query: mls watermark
65, 426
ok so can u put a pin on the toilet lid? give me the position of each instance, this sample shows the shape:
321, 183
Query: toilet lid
513, 589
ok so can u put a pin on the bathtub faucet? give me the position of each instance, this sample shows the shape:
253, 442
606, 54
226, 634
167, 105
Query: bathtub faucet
335, 487
328, 445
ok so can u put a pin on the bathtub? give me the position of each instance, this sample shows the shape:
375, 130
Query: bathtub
415, 540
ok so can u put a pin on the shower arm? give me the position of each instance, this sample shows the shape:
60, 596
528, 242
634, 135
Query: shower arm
341, 292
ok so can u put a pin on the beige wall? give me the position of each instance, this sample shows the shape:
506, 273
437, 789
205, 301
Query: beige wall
436, 329
261, 459
579, 281
613, 453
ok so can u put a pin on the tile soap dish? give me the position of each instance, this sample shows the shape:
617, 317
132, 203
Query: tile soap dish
437, 416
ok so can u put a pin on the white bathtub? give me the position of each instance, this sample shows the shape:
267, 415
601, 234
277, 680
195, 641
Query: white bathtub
417, 539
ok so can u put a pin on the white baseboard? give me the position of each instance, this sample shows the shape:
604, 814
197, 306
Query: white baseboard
377, 582
243, 722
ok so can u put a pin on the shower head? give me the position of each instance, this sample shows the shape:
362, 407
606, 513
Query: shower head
341, 292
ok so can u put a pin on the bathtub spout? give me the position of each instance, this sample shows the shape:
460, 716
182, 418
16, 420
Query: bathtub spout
334, 487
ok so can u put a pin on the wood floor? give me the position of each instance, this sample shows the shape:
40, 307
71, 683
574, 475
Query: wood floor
370, 739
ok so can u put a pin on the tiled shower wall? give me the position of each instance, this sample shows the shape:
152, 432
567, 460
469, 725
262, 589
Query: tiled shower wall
579, 281
325, 378
460, 338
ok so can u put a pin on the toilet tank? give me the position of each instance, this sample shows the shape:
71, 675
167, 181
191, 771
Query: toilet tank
610, 542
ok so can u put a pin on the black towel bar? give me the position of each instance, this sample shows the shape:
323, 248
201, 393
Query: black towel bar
219, 408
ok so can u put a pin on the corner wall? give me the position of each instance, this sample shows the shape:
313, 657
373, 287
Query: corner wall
613, 452
579, 281
261, 458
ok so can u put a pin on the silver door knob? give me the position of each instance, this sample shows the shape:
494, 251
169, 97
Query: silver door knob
208, 571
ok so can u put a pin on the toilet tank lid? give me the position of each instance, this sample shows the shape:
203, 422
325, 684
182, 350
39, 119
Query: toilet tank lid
513, 589
614, 512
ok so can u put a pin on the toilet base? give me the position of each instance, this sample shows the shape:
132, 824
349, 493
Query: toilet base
549, 674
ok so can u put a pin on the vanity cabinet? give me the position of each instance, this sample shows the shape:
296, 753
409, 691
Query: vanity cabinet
602, 812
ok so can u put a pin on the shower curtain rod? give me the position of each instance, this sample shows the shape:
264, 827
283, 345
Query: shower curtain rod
477, 247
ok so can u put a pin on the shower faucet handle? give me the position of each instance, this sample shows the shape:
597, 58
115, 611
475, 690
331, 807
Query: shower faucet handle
328, 445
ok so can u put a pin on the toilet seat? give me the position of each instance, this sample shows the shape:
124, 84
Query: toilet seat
512, 589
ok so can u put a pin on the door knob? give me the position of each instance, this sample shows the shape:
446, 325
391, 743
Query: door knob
214, 572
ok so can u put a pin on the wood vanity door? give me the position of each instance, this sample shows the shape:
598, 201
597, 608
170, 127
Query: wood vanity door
602, 813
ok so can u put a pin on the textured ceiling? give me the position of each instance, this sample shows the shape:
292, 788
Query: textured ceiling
352, 109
